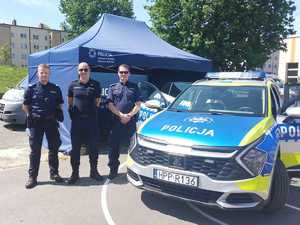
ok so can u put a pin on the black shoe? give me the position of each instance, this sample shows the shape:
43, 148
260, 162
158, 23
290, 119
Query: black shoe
31, 183
73, 179
96, 176
56, 178
113, 174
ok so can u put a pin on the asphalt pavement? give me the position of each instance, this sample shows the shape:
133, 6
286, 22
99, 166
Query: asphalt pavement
115, 203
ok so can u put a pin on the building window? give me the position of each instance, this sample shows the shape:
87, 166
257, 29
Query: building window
35, 37
24, 45
23, 35
23, 56
46, 47
46, 38
36, 47
292, 72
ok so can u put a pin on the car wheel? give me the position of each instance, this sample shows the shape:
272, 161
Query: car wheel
279, 189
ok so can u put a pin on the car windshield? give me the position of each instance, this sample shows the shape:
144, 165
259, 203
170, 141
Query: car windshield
23, 83
175, 88
241, 100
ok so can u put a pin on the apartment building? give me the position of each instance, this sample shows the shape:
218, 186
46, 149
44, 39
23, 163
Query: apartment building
286, 64
24, 40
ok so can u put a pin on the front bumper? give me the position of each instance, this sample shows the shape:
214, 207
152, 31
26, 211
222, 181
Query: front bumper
238, 194
11, 112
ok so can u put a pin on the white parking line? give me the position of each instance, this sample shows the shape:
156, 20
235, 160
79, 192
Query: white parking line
292, 207
206, 215
104, 206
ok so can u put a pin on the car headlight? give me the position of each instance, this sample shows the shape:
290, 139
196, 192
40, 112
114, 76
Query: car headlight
133, 142
254, 160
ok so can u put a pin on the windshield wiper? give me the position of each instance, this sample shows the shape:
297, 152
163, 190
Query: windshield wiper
215, 113
177, 110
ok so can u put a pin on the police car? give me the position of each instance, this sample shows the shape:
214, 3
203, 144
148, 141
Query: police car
222, 142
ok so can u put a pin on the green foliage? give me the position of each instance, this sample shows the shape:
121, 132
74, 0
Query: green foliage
5, 55
236, 34
82, 14
10, 77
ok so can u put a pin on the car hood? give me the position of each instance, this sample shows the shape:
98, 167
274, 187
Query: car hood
199, 129
14, 94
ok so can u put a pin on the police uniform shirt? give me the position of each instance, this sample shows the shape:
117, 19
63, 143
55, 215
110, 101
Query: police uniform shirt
124, 96
84, 96
43, 99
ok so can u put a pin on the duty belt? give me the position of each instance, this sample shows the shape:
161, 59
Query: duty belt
43, 117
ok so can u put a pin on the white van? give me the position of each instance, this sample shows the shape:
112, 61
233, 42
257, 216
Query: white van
11, 104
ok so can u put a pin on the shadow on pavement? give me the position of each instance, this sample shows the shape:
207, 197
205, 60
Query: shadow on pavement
82, 182
180, 209
15, 127
281, 217
294, 196
173, 207
120, 179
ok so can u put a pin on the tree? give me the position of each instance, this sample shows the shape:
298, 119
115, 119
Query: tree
82, 14
5, 55
236, 34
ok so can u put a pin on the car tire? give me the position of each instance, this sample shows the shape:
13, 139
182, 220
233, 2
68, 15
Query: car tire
279, 189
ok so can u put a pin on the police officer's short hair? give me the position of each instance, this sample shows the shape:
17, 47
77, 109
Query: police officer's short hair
45, 66
125, 66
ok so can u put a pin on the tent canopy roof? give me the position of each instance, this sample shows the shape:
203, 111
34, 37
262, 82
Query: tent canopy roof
126, 40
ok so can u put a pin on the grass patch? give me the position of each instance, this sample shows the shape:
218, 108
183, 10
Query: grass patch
10, 77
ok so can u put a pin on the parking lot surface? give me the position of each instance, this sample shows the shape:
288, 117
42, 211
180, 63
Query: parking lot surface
116, 202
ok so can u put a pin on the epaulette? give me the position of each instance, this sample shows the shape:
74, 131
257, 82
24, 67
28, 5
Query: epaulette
31, 85
113, 84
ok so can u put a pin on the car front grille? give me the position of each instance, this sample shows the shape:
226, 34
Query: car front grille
182, 191
2, 107
215, 168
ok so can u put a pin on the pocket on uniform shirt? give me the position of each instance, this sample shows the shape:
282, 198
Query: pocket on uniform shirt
91, 91
117, 94
130, 94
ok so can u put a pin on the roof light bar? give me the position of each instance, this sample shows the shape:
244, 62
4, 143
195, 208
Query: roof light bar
250, 75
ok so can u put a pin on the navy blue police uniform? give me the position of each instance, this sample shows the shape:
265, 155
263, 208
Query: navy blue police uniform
43, 101
83, 114
124, 97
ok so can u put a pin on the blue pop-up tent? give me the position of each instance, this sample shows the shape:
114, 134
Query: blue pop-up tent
113, 40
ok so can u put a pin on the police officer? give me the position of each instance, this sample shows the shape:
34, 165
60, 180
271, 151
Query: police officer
124, 101
84, 100
41, 101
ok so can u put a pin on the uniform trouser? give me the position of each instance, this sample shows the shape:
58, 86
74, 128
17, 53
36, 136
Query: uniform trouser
41, 127
118, 133
84, 130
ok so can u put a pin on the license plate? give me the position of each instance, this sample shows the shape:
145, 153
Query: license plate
176, 178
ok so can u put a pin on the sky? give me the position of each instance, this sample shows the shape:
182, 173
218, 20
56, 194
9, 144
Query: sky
33, 12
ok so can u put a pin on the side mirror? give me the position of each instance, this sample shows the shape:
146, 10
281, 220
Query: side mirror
154, 104
292, 114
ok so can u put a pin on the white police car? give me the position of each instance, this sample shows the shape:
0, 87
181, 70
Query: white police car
222, 142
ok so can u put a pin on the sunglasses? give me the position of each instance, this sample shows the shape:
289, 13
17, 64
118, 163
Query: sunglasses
123, 72
83, 70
